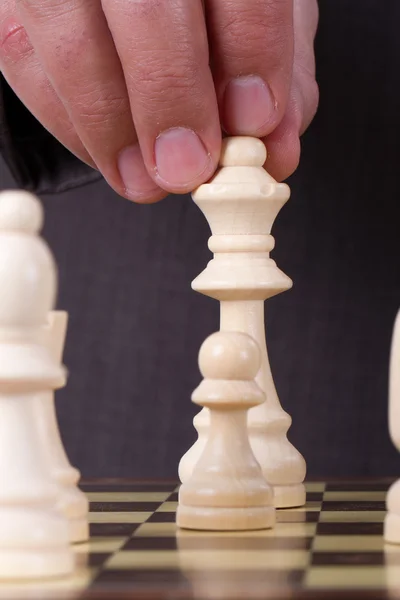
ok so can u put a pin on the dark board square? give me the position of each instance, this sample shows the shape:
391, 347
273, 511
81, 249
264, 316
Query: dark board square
124, 506
350, 529
112, 529
315, 496
359, 505
96, 559
162, 517
348, 558
358, 486
128, 486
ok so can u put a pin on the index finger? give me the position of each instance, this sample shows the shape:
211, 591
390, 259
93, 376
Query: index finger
163, 49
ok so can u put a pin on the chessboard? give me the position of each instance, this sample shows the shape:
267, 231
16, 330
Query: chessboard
330, 548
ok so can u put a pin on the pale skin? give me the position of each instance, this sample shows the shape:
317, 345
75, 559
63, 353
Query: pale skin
139, 89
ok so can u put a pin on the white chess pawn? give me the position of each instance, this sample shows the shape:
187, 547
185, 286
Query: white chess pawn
227, 490
34, 536
392, 520
72, 502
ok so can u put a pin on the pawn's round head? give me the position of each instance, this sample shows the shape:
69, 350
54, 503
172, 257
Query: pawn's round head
229, 355
27, 270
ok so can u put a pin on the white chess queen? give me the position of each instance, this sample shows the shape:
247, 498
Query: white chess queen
241, 202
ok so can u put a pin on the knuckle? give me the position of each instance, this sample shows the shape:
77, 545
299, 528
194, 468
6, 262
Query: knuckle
15, 44
43, 10
101, 108
160, 80
146, 8
260, 31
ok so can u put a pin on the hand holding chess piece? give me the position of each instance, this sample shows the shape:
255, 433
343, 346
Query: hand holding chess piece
34, 536
227, 490
392, 520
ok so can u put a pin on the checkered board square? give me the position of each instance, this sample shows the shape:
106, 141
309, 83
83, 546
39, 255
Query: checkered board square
331, 547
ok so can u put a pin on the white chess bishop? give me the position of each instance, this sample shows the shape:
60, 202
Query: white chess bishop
34, 535
241, 202
392, 520
72, 502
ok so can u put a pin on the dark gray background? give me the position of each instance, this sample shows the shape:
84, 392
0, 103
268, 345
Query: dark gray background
136, 326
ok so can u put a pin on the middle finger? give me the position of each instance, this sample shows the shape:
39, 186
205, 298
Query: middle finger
252, 50
78, 54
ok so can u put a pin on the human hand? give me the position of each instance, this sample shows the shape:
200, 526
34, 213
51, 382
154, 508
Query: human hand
138, 88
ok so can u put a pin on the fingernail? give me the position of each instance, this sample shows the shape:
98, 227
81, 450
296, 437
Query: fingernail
181, 157
248, 106
137, 182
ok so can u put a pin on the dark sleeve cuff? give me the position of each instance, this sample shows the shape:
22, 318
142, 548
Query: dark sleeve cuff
37, 161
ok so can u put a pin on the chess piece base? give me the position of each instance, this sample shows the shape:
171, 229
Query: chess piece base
33, 544
225, 519
35, 564
289, 496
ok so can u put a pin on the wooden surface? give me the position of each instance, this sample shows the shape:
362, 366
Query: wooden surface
331, 548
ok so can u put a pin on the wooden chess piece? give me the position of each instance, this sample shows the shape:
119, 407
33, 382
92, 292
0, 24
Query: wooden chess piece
227, 490
392, 519
72, 502
34, 536
241, 202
